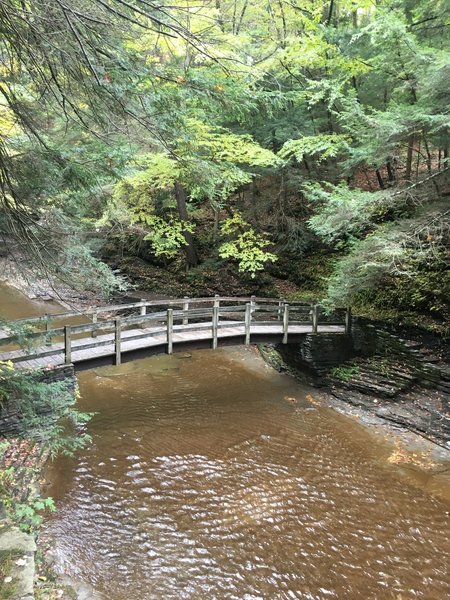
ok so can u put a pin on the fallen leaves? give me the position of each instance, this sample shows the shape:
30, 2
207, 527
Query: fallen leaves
312, 400
400, 455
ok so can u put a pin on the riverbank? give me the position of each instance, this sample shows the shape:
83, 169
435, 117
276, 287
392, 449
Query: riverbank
22, 277
24, 573
400, 391
421, 460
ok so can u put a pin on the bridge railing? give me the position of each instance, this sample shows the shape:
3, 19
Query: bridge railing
169, 317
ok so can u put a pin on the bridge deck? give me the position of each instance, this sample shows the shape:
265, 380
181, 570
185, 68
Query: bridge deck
152, 338
181, 322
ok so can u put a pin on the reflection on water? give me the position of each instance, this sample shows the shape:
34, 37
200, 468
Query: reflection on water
15, 305
208, 479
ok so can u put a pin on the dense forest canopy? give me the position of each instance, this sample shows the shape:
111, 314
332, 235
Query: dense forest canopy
308, 139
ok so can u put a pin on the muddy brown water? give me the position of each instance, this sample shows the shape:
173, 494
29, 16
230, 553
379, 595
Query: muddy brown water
15, 305
212, 477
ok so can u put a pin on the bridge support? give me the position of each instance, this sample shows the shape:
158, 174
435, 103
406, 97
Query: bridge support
215, 325
94, 325
315, 318
67, 345
248, 321
185, 310
280, 310
170, 331
285, 323
117, 331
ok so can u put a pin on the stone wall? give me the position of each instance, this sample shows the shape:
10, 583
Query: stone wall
318, 353
427, 369
10, 422
400, 380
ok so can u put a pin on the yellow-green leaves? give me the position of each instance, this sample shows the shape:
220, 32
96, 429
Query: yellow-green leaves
320, 146
167, 237
245, 245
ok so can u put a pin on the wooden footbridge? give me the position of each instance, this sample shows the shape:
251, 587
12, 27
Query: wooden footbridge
129, 331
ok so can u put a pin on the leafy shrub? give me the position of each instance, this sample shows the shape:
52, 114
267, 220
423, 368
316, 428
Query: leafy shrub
46, 410
167, 237
344, 373
246, 246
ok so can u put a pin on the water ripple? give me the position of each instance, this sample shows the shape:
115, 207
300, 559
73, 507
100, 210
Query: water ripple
220, 490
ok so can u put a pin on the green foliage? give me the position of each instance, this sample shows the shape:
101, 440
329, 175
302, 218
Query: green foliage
149, 187
344, 212
167, 237
84, 271
224, 147
345, 372
46, 410
321, 147
28, 515
261, 108
211, 165
248, 247
365, 267
403, 265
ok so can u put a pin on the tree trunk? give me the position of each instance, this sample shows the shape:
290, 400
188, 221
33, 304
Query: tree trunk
380, 179
409, 158
390, 170
220, 19
419, 154
190, 251
216, 224
427, 150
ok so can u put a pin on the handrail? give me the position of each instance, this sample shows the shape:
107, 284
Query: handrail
179, 315
151, 303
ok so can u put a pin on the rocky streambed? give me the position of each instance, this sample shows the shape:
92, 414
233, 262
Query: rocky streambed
400, 379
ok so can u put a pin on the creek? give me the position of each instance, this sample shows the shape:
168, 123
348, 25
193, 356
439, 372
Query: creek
210, 476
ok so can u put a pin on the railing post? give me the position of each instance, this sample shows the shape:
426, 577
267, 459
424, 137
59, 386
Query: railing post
248, 321
253, 302
215, 324
169, 330
280, 310
348, 320
117, 329
217, 305
285, 323
48, 339
315, 318
143, 308
185, 310
67, 345
94, 323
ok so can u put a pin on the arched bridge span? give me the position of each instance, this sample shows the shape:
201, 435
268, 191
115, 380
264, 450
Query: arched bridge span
128, 331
